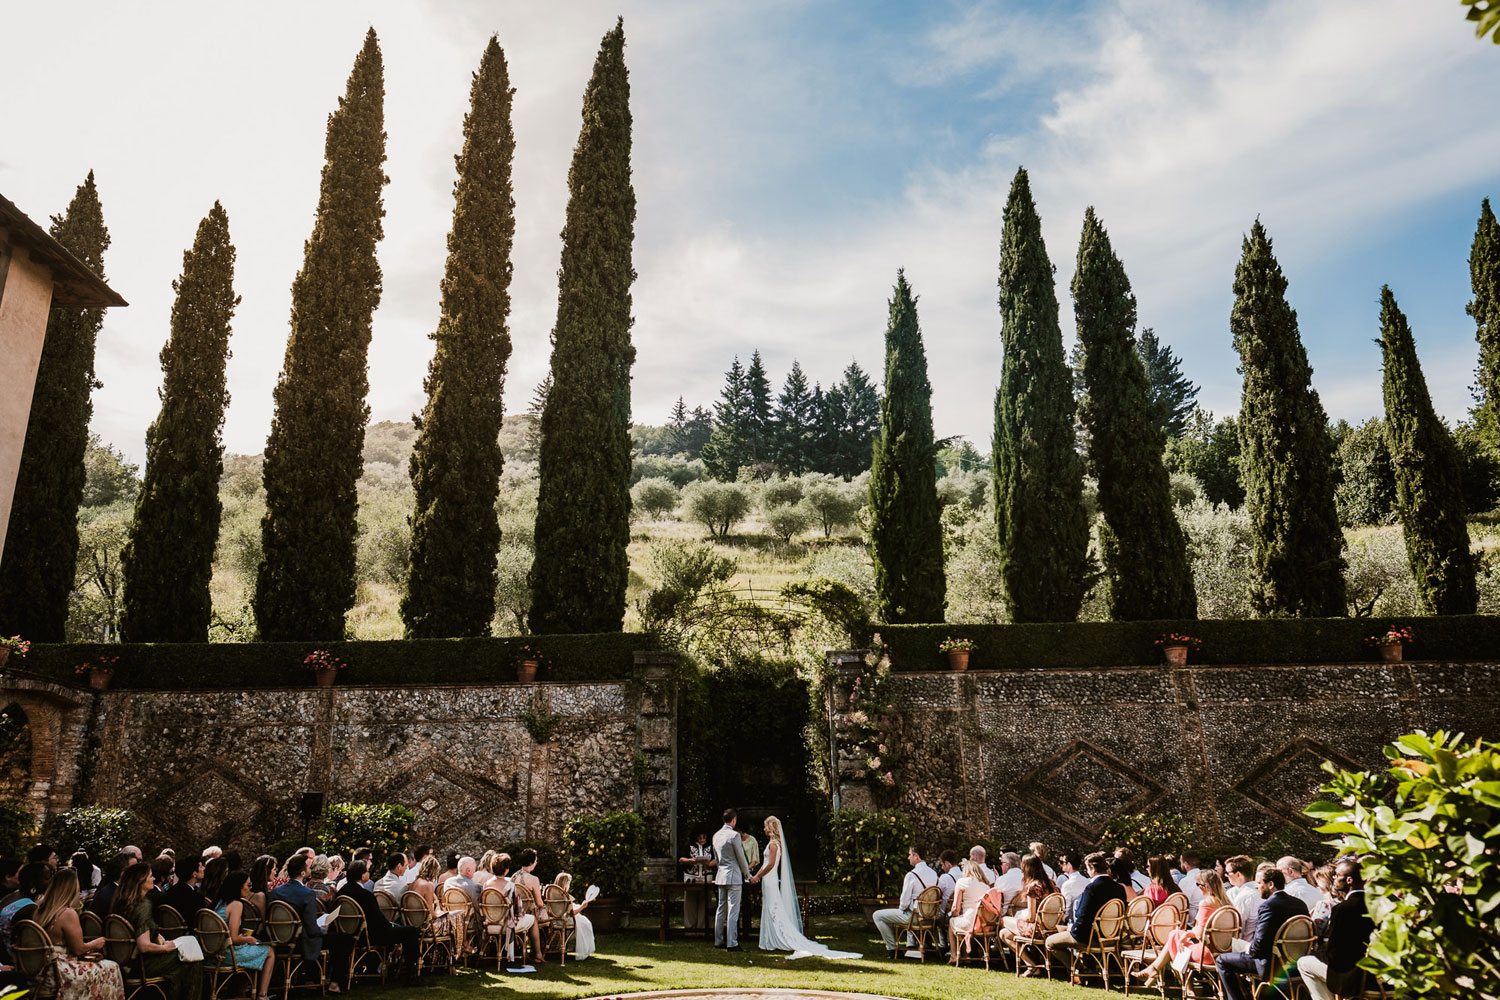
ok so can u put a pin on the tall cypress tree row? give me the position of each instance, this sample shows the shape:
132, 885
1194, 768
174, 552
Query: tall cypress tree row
1145, 550
583, 507
1484, 278
306, 580
41, 546
906, 531
456, 462
1285, 460
1044, 532
168, 562
1429, 495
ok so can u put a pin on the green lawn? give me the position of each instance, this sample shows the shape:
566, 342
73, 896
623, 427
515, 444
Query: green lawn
635, 961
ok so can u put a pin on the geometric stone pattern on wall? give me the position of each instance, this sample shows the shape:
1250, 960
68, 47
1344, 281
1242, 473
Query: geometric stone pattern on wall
1285, 782
1082, 787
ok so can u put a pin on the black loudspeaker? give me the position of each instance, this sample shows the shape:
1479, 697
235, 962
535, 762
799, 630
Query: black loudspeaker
312, 806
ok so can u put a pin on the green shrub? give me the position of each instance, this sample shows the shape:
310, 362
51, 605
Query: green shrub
717, 506
381, 826
788, 522
1426, 833
17, 830
867, 850
834, 504
655, 497
100, 831
1148, 834
781, 493
609, 852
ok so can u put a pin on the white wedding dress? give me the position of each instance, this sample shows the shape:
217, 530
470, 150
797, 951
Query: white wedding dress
781, 918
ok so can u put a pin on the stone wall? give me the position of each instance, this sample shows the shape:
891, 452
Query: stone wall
1054, 754
232, 766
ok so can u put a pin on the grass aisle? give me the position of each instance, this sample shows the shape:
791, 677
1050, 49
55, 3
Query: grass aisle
635, 961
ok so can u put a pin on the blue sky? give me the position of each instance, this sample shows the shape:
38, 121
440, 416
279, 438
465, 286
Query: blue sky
789, 157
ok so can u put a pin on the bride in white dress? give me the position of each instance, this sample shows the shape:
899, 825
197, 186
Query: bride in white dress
780, 917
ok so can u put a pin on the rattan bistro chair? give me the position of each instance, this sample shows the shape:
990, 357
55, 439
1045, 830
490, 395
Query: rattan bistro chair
390, 906
457, 900
559, 927
434, 948
1049, 917
1093, 959
922, 926
31, 946
219, 962
1179, 901
1201, 978
493, 909
120, 948
351, 921
283, 929
93, 925
1137, 914
170, 923
1297, 937
1159, 927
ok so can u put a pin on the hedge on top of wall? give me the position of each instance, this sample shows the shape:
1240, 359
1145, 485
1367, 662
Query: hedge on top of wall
210, 666
1258, 641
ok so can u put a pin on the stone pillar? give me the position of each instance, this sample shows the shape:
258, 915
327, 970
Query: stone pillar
849, 792
655, 680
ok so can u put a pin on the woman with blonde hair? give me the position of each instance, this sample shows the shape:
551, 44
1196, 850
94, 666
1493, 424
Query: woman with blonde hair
583, 927
76, 979
780, 917
967, 894
1214, 897
425, 885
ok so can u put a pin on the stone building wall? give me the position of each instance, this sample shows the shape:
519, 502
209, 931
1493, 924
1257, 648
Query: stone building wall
201, 767
1054, 754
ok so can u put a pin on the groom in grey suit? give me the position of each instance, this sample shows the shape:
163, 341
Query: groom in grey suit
730, 876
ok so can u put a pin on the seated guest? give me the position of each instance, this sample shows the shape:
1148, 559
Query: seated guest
262, 877
382, 932
335, 877
314, 938
583, 927
102, 901
964, 910
1188, 883
1011, 881
88, 875
34, 879
68, 973
1100, 889
977, 855
529, 897
1349, 932
243, 951
1243, 892
1294, 871
1040, 850
1159, 871
394, 881
1038, 886
157, 954
948, 875
214, 870
1276, 908
1123, 872
10, 875
184, 895
452, 868
465, 879
161, 874
425, 885
1138, 880
44, 854
317, 878
890, 919
1322, 878
1211, 891
1071, 879
482, 866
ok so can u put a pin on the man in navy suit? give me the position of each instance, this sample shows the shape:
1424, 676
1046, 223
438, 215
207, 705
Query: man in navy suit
1276, 908
314, 937
1100, 890
382, 932
1349, 931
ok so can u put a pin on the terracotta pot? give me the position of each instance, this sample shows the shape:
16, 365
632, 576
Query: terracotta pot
1176, 655
609, 913
958, 659
325, 676
99, 679
526, 673
1390, 653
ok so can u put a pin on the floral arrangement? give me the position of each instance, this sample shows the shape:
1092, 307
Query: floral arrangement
17, 645
1393, 637
1178, 639
532, 654
106, 664
322, 659
866, 726
956, 646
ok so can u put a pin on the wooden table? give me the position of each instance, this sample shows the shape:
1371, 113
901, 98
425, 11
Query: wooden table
749, 895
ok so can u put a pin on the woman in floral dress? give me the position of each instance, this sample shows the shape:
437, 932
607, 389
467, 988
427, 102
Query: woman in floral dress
75, 978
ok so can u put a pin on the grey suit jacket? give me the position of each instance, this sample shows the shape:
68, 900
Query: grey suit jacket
730, 854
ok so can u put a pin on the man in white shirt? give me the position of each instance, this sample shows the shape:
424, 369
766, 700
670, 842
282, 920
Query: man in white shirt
1297, 885
1244, 892
394, 881
888, 920
1188, 885
1070, 881
976, 855
1010, 881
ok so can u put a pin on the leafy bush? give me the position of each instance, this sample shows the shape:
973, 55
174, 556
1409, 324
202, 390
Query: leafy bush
835, 504
17, 830
781, 493
656, 497
1425, 830
1149, 833
609, 852
1221, 545
1366, 492
717, 506
1185, 490
958, 486
846, 564
1378, 578
788, 522
512, 589
100, 831
867, 850
976, 594
381, 826
676, 469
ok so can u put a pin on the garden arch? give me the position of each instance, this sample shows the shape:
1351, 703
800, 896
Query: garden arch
56, 720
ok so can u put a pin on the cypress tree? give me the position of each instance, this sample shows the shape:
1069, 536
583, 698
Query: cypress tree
793, 423
1173, 394
1044, 532
41, 546
1145, 550
1285, 461
758, 403
168, 561
1484, 277
906, 531
1429, 495
456, 461
583, 507
313, 454
728, 445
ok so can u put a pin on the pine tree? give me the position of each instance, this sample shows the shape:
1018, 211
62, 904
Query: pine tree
758, 403
583, 507
313, 454
1145, 550
1429, 495
1173, 396
793, 423
828, 414
41, 544
906, 531
1044, 532
168, 561
861, 424
1285, 462
456, 461
728, 446
1484, 277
